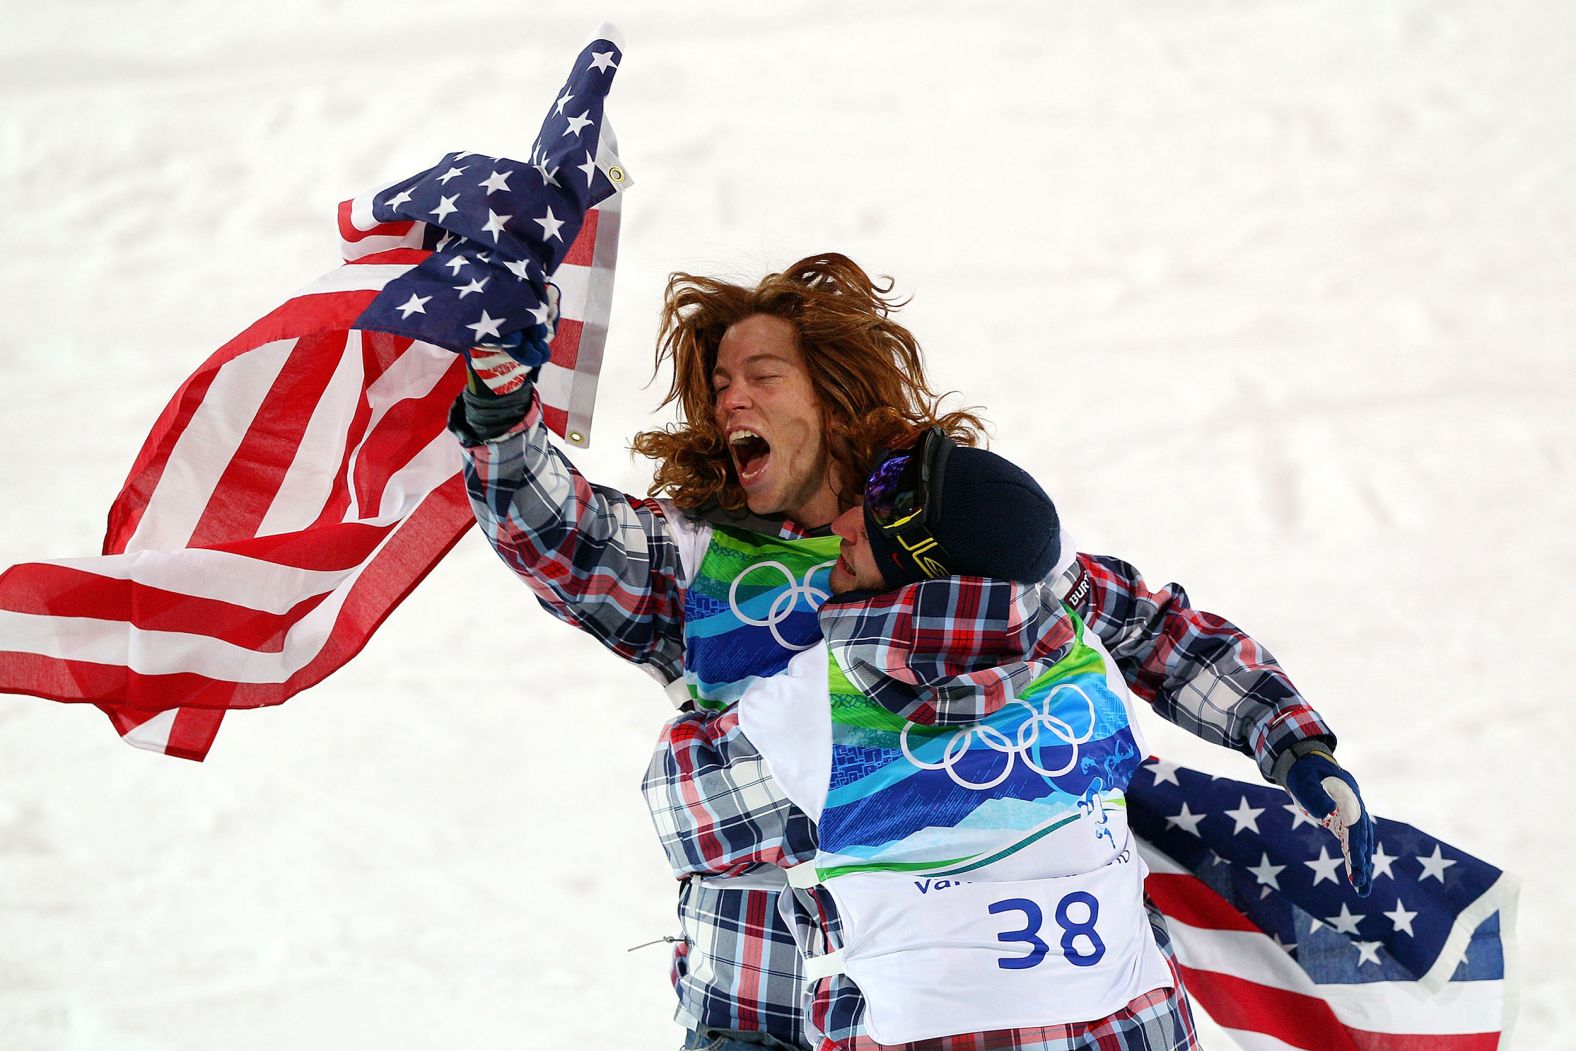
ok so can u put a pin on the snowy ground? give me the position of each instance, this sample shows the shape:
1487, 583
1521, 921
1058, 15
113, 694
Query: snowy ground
1275, 297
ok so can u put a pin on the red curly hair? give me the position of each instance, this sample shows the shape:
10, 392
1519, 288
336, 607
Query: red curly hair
867, 371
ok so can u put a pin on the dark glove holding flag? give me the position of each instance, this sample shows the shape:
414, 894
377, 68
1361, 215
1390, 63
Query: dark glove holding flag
498, 230
1330, 795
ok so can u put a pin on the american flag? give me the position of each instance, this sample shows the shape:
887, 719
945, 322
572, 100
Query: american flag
300, 483
1276, 946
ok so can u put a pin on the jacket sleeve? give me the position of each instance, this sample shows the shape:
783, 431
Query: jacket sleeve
602, 561
1196, 669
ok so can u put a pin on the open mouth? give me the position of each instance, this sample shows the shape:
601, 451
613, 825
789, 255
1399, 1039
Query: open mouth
750, 453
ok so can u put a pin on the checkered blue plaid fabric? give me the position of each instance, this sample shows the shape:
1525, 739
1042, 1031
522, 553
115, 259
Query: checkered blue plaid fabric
947, 651
607, 563
595, 558
1197, 670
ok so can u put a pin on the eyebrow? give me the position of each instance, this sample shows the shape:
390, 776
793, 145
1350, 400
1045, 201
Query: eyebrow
765, 355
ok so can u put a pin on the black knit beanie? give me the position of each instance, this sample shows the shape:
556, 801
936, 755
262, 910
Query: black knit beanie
995, 521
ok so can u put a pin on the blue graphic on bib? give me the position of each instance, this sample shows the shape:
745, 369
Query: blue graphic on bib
750, 607
1054, 761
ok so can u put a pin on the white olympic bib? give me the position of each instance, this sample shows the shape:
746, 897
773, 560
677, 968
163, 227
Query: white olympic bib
937, 957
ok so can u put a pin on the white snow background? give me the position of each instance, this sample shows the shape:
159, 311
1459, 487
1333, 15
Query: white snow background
1275, 298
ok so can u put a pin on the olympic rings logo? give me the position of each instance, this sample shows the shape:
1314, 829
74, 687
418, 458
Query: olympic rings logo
1025, 747
786, 601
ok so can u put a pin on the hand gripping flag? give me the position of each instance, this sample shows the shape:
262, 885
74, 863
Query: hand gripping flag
1278, 948
301, 483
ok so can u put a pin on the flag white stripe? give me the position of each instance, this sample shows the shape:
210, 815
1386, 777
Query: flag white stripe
361, 277
437, 462
258, 584
243, 580
154, 735
308, 484
1381, 1007
1452, 1007
1251, 1040
553, 383
572, 283
361, 216
412, 375
205, 447
1501, 896
172, 652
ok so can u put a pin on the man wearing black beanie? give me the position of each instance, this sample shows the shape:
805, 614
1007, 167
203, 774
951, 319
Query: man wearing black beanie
990, 518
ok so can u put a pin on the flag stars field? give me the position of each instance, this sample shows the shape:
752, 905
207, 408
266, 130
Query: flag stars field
487, 326
496, 181
1382, 862
1346, 921
1299, 816
495, 224
1163, 772
1434, 865
1186, 820
1245, 817
548, 177
1401, 917
1267, 874
550, 224
1325, 867
414, 305
1288, 884
445, 208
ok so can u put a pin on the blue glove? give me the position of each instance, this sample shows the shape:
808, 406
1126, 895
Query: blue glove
1330, 795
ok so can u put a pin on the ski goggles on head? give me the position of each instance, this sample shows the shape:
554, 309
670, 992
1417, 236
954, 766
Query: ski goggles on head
903, 500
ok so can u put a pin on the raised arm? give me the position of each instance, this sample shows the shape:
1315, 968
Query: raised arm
596, 558
1196, 669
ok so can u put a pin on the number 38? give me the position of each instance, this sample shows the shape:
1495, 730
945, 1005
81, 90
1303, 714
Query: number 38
1071, 931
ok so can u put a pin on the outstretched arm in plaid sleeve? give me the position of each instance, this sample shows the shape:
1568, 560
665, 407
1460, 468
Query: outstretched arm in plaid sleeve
1198, 670
596, 558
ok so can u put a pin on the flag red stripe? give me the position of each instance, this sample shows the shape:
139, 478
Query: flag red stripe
421, 540
301, 316
326, 548
1236, 1003
350, 232
61, 591
379, 350
404, 431
146, 470
566, 342
191, 735
247, 487
582, 251
1307, 1021
1193, 902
